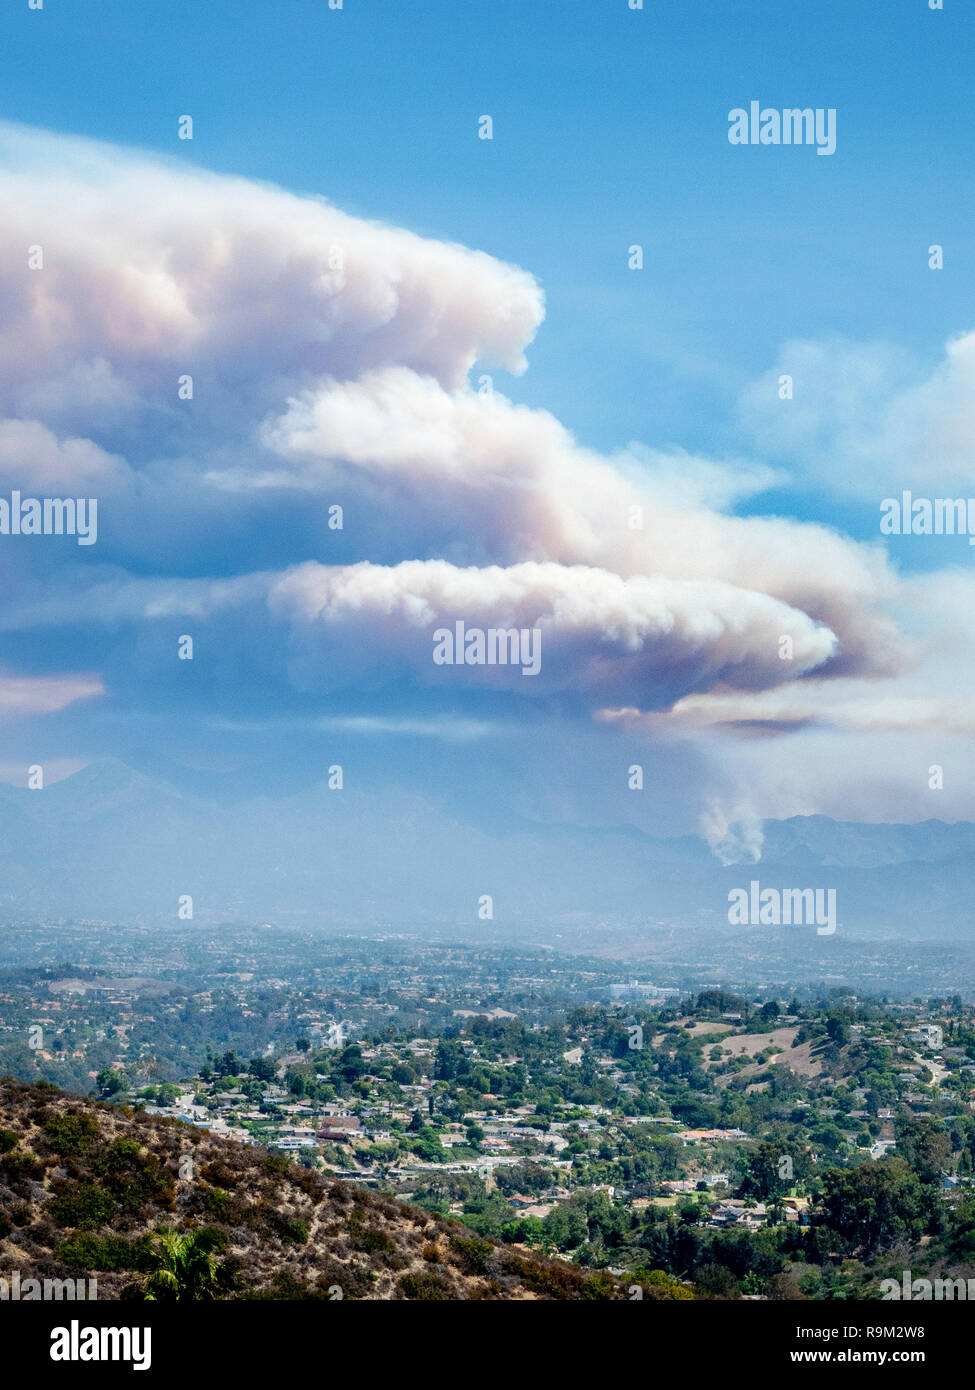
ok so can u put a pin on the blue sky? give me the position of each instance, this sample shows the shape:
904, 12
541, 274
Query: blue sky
610, 128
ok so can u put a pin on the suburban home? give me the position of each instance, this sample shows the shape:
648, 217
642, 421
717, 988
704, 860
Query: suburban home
336, 1128
735, 1213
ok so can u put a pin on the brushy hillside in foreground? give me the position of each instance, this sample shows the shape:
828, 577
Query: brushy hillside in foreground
86, 1188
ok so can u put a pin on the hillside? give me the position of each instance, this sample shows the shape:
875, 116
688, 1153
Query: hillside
83, 1187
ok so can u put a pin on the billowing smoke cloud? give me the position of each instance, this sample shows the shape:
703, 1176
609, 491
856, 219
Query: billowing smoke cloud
734, 834
161, 270
601, 636
516, 486
330, 359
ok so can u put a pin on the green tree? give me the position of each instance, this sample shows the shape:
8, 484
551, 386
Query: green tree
774, 1168
109, 1082
183, 1267
838, 1027
873, 1206
925, 1145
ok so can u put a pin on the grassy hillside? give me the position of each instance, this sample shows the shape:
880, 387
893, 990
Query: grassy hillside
89, 1189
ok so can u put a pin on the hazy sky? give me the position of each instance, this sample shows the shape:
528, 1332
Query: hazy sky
339, 261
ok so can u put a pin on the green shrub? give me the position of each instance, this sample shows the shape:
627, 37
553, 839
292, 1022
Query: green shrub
122, 1155
424, 1287
82, 1204
134, 1178
219, 1174
371, 1240
109, 1255
598, 1286
17, 1165
217, 1203
474, 1253
658, 1284
69, 1134
552, 1281
277, 1165
290, 1228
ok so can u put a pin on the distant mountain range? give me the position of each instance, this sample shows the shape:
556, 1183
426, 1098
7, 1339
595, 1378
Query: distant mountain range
109, 843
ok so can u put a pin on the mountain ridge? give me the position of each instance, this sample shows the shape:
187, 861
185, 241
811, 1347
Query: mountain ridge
110, 843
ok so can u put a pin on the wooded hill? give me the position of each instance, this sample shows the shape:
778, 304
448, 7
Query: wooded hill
157, 1208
